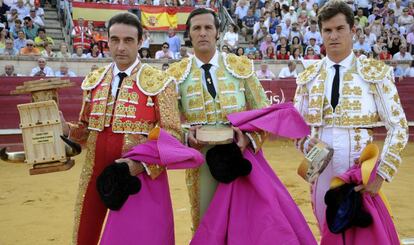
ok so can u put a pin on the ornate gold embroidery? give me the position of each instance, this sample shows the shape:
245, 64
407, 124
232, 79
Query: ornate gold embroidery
317, 89
84, 181
168, 111
151, 81
239, 66
193, 186
373, 70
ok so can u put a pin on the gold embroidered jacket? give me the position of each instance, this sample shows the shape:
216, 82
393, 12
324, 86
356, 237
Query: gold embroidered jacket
368, 99
238, 89
146, 99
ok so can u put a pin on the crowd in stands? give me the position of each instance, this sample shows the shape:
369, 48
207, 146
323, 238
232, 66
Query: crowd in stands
262, 30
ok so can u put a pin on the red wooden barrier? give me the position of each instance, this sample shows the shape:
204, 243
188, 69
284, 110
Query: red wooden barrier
70, 100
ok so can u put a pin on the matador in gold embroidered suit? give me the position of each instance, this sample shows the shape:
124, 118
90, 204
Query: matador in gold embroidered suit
237, 89
368, 98
146, 98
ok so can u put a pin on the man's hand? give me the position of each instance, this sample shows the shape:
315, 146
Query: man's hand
192, 141
135, 168
242, 140
312, 142
371, 188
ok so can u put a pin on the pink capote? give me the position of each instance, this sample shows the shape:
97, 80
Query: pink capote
147, 217
257, 209
382, 231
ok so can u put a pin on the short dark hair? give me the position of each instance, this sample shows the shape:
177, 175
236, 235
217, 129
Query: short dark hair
41, 29
332, 8
126, 18
200, 11
165, 43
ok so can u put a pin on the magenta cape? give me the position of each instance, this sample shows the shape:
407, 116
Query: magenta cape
257, 209
147, 217
381, 231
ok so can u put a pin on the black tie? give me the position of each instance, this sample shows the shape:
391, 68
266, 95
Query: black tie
209, 80
335, 88
121, 76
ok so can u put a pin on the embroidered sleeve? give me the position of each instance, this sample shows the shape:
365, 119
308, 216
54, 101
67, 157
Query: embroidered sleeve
79, 130
169, 119
256, 99
301, 104
393, 116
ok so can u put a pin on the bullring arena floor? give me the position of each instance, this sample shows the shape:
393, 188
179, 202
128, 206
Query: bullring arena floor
39, 209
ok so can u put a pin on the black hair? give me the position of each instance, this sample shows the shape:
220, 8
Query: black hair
334, 7
126, 18
165, 43
41, 29
200, 11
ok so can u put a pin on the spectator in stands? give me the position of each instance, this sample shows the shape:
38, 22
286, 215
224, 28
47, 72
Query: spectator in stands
302, 19
231, 37
394, 44
278, 34
374, 16
398, 72
165, 66
258, 54
376, 26
410, 70
266, 43
12, 16
312, 44
292, 15
82, 36
248, 23
410, 40
286, 27
406, 20
250, 48
9, 49
314, 11
225, 49
9, 71
164, 53
174, 42
241, 11
295, 32
144, 53
384, 55
3, 37
371, 38
258, 27
22, 10
265, 72
146, 39
36, 19
363, 20
361, 44
272, 22
397, 7
64, 71
312, 33
296, 45
359, 53
269, 54
296, 55
240, 51
95, 52
403, 54
42, 70
47, 51
310, 54
39, 10
79, 53
29, 50
183, 53
251, 56
14, 30
379, 44
260, 36
283, 54
63, 51
30, 29
289, 72
41, 40
20, 42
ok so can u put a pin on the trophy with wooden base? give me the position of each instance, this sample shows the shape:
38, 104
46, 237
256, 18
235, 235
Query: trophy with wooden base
42, 133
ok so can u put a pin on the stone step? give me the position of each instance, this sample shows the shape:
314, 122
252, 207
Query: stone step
55, 35
50, 22
51, 15
54, 30
55, 25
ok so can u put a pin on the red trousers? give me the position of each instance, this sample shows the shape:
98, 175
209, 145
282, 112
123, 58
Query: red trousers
108, 149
